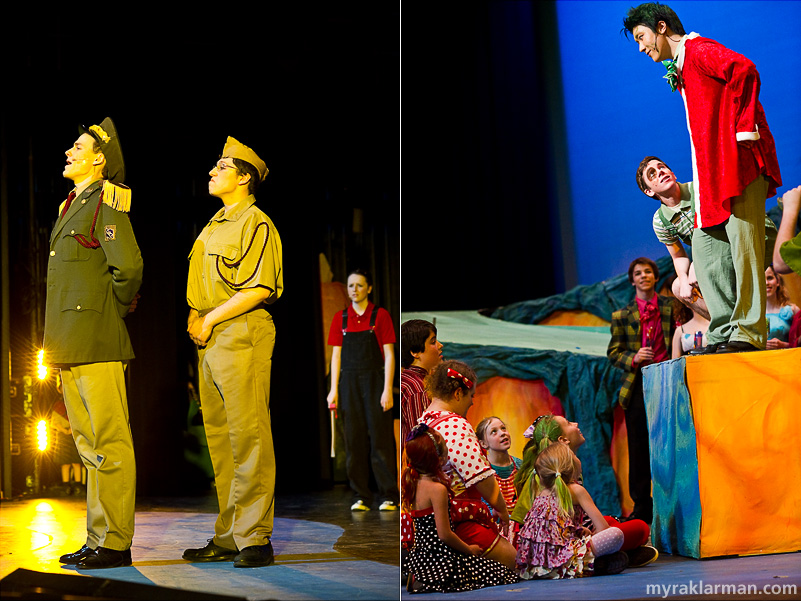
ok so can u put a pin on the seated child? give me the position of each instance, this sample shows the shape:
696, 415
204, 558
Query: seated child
552, 542
439, 561
548, 429
495, 441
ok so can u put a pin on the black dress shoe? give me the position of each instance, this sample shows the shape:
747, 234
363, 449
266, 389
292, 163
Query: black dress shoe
614, 563
210, 552
705, 350
103, 557
736, 346
255, 556
74, 558
414, 586
642, 556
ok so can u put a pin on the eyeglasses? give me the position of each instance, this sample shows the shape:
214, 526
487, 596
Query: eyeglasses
221, 166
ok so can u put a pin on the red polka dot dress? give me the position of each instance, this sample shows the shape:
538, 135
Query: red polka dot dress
469, 464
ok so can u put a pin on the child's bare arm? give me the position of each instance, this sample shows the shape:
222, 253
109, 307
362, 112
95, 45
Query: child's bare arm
583, 498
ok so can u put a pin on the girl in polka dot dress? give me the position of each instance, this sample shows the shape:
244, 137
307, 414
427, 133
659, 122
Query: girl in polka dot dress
439, 561
552, 541
451, 386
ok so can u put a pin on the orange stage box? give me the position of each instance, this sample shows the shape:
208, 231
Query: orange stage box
726, 453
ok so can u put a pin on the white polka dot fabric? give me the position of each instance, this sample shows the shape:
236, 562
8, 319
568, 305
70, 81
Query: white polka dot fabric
440, 568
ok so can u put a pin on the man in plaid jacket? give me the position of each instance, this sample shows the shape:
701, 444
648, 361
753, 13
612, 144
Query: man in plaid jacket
641, 334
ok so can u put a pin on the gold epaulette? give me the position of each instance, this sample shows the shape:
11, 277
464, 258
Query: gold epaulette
117, 196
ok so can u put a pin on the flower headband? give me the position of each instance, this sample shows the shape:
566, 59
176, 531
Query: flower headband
529, 433
466, 382
419, 430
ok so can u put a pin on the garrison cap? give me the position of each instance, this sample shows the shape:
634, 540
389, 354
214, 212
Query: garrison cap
106, 136
234, 149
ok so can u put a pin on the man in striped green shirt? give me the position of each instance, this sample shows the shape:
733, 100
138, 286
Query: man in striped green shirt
673, 225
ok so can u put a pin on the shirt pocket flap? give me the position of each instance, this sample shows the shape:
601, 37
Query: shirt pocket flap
226, 251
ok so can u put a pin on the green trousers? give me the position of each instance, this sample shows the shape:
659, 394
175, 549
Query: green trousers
97, 407
730, 266
234, 378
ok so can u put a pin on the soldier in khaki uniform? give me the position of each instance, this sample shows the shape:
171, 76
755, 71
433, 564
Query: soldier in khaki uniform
234, 271
93, 274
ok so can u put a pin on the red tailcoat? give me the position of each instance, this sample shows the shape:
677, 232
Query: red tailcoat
720, 89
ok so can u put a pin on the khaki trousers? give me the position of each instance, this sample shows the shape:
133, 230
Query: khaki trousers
234, 382
730, 266
97, 407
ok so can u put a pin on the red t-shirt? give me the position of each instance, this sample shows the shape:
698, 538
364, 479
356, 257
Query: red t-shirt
384, 330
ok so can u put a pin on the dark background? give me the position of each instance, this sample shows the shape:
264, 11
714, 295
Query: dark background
315, 90
483, 155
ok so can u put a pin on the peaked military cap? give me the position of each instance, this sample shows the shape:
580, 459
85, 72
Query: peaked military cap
106, 136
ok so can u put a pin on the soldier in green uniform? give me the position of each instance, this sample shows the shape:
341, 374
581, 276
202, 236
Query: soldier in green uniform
93, 274
234, 272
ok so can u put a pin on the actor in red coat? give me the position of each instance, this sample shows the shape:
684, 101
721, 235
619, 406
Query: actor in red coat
735, 169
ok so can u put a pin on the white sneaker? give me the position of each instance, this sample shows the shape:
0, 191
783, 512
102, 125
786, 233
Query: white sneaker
388, 506
359, 506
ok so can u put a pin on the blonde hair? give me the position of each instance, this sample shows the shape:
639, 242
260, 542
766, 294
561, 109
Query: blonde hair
556, 467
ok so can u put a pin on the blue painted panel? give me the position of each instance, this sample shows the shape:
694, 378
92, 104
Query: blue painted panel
674, 462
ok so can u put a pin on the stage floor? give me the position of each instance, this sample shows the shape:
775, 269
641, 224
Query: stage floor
676, 578
323, 550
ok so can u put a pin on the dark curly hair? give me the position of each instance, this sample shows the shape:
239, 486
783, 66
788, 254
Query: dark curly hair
442, 386
650, 14
641, 167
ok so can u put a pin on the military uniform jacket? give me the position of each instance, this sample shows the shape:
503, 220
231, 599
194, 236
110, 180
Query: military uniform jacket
89, 290
627, 340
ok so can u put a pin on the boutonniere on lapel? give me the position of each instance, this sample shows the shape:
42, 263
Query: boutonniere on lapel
672, 75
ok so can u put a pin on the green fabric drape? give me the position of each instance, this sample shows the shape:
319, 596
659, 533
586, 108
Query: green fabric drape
600, 299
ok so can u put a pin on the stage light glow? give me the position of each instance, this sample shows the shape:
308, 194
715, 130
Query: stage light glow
41, 369
41, 435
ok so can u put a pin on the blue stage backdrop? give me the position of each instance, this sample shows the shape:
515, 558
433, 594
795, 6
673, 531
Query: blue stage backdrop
618, 109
